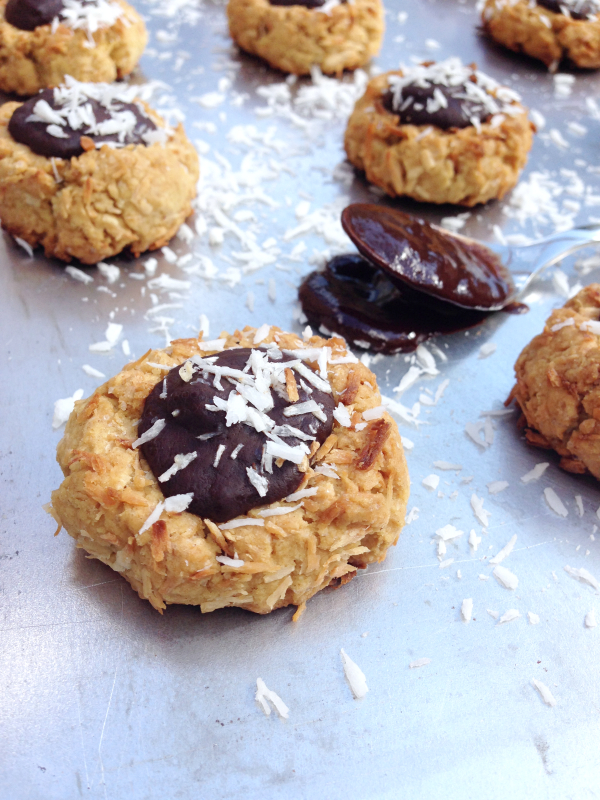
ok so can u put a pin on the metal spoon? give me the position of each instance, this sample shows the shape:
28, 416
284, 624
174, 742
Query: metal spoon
450, 267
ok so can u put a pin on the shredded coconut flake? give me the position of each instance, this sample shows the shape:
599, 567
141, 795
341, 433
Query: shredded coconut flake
590, 619
509, 616
150, 434
544, 692
177, 503
355, 676
466, 609
419, 662
506, 551
555, 503
63, 409
505, 577
263, 694
431, 482
584, 576
536, 473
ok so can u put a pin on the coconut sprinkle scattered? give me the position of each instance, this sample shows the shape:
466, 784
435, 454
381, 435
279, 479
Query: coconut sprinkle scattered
590, 619
544, 691
509, 616
555, 503
419, 662
355, 676
536, 473
506, 551
505, 578
466, 610
584, 576
63, 409
264, 696
482, 515
431, 482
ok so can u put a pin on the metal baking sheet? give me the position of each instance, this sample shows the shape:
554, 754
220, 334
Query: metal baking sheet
102, 697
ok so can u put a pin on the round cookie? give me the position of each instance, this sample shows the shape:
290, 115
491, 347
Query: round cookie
439, 133
346, 505
549, 30
294, 37
120, 178
558, 383
91, 40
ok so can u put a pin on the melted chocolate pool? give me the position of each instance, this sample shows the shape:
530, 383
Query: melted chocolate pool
578, 9
30, 14
222, 492
357, 300
416, 255
418, 103
36, 136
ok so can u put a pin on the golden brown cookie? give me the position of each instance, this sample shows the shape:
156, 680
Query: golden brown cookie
31, 60
93, 205
548, 35
439, 163
294, 38
347, 508
558, 383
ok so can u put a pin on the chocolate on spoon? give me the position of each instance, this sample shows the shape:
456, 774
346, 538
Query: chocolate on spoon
421, 257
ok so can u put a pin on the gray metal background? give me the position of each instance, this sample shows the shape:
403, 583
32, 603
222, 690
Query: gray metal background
103, 698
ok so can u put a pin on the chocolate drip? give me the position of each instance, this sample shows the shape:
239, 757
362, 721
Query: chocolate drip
30, 14
357, 300
578, 9
413, 108
223, 492
416, 255
35, 134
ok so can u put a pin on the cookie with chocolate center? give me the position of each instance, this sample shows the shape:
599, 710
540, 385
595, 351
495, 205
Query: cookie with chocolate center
251, 471
43, 41
557, 380
87, 170
439, 133
551, 31
333, 35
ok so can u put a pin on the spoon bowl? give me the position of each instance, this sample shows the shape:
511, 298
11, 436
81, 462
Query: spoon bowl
450, 267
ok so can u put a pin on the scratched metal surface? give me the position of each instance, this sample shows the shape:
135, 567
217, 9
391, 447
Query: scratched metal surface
103, 698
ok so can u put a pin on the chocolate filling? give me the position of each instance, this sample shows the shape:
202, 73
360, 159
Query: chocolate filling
36, 136
357, 300
420, 105
305, 3
419, 257
578, 9
223, 492
27, 15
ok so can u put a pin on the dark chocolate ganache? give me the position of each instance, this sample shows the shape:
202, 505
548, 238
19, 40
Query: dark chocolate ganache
357, 300
420, 257
89, 15
305, 3
53, 122
236, 466
446, 94
30, 14
578, 9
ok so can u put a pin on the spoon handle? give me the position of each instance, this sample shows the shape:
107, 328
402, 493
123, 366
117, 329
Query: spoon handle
527, 261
